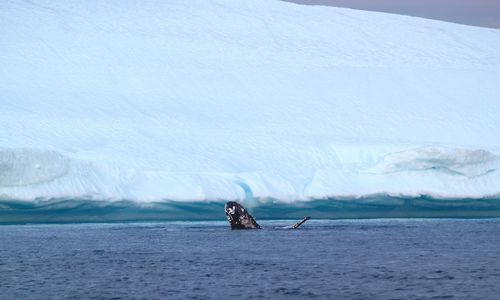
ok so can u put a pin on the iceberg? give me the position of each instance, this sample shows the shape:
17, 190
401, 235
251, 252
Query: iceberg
253, 101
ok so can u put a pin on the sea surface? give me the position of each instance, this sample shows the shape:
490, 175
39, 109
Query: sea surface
335, 259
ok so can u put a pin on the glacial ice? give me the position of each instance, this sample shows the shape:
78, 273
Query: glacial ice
243, 100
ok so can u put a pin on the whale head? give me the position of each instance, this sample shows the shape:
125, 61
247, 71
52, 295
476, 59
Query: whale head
238, 217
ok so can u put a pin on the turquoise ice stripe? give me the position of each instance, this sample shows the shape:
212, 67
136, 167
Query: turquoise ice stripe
381, 206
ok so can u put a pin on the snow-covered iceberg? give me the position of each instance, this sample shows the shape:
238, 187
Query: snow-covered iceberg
243, 100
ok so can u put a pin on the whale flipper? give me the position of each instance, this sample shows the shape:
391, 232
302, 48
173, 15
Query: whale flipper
238, 217
296, 225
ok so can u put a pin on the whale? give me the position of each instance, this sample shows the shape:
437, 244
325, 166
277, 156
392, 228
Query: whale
239, 218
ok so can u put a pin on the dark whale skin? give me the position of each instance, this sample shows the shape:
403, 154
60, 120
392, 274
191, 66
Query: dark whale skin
238, 217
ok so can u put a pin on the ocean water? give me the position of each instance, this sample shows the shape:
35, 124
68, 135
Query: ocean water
324, 259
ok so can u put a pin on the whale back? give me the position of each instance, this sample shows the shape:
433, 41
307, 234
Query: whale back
238, 217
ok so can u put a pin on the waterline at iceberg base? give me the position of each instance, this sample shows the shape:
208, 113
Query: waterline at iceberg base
378, 206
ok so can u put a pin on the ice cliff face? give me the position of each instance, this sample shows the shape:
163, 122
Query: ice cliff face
232, 99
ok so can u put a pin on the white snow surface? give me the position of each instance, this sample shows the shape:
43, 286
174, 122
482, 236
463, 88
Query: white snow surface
235, 100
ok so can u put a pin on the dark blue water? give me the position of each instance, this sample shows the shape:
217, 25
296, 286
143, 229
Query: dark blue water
358, 259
